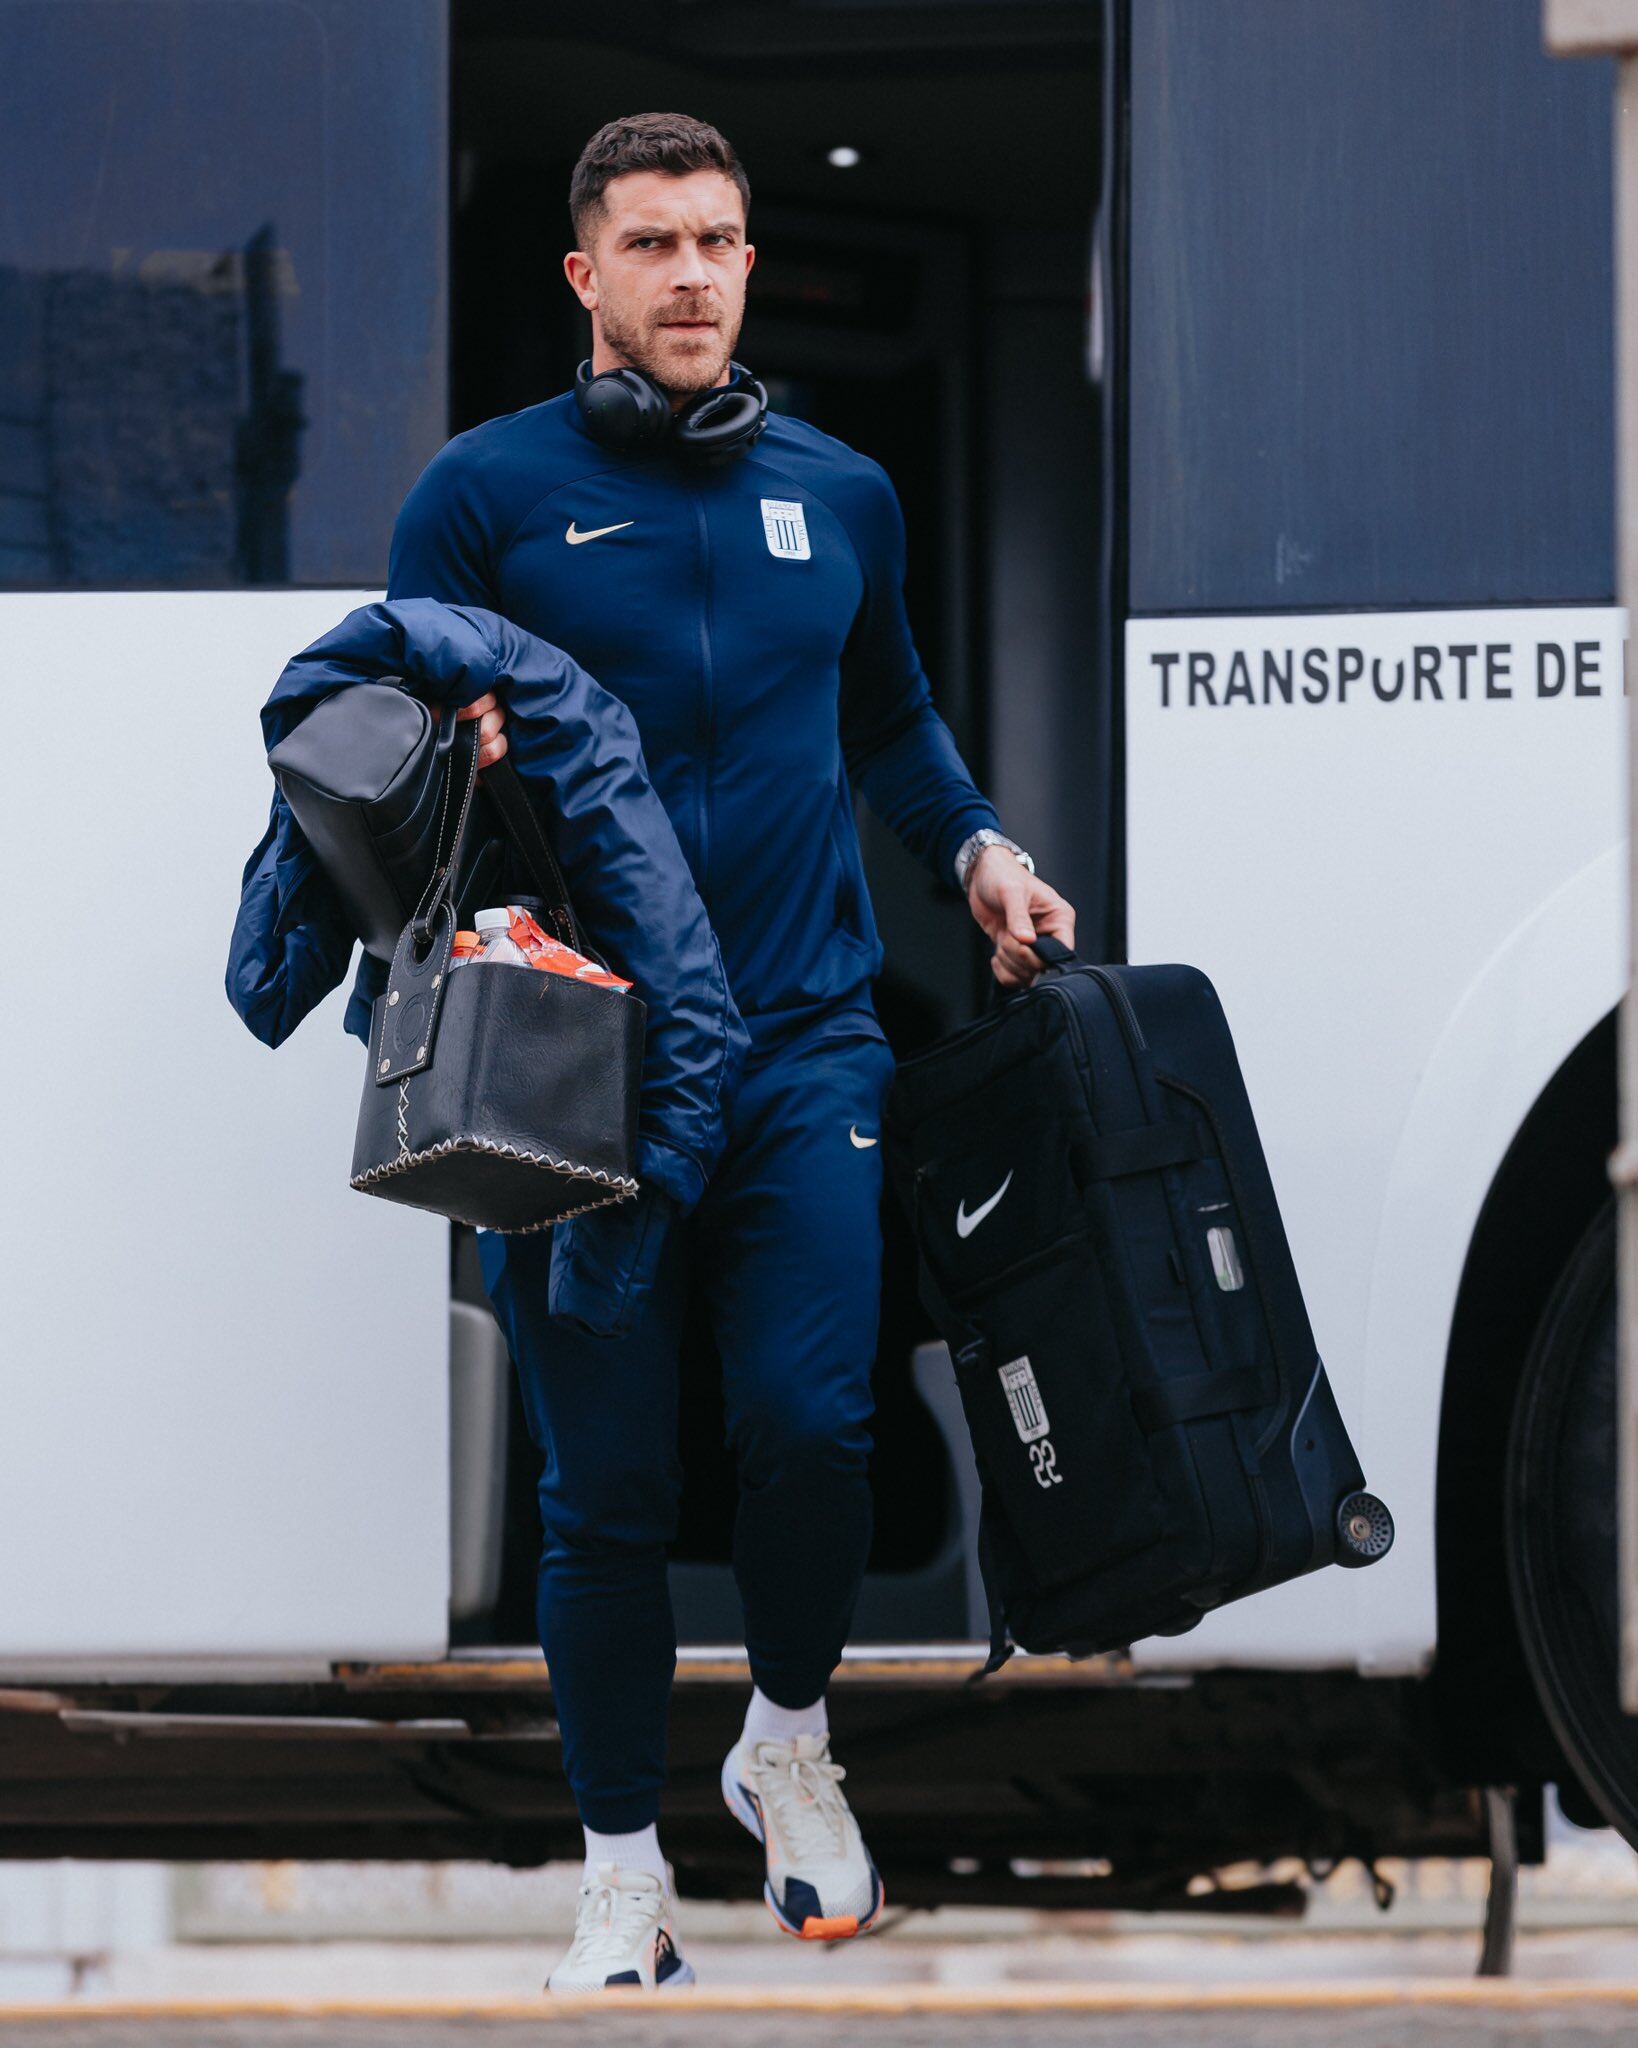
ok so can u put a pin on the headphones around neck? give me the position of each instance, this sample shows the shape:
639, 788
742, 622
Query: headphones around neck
628, 413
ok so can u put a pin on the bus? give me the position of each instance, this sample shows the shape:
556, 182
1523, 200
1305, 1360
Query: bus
1246, 376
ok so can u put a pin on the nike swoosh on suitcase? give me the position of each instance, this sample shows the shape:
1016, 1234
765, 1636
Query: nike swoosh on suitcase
965, 1224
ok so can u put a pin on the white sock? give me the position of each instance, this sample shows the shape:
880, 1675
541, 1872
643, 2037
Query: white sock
640, 1851
764, 1718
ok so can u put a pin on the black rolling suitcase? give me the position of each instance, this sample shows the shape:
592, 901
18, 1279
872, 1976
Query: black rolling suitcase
1101, 1249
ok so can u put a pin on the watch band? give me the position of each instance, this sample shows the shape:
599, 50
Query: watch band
974, 844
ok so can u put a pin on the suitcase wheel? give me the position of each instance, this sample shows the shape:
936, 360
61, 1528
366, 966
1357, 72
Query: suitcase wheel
1364, 1530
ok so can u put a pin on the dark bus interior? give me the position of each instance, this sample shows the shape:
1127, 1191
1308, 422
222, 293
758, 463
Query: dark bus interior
932, 304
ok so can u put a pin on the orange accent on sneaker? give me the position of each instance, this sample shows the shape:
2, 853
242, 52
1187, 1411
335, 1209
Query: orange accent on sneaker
841, 1928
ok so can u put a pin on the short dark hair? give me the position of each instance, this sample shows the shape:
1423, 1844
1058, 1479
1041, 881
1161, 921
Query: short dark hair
673, 143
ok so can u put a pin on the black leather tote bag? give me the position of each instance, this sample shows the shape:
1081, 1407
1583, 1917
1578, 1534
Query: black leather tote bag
364, 774
499, 1096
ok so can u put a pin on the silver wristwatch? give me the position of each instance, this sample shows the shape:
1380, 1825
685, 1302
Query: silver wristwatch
974, 844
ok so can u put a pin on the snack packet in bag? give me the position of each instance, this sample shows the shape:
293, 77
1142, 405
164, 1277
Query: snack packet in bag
541, 950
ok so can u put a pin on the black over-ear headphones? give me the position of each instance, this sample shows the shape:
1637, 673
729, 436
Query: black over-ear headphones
626, 411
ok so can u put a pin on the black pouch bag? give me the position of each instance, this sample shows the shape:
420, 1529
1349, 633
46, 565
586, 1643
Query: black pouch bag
1101, 1248
364, 774
500, 1096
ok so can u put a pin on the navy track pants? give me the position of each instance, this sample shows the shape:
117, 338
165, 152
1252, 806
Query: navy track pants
786, 1248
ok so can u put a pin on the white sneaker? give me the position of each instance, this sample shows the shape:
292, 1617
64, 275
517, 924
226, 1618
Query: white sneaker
822, 1885
622, 1935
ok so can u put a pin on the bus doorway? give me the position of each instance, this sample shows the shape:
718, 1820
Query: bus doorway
923, 202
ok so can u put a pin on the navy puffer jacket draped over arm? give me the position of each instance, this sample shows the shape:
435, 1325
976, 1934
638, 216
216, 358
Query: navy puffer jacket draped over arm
625, 870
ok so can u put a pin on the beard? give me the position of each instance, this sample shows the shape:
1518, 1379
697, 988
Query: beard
680, 365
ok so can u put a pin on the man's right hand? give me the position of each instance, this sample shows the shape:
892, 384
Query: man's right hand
491, 740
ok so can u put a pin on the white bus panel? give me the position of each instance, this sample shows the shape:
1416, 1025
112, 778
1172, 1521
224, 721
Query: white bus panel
1394, 842
225, 1375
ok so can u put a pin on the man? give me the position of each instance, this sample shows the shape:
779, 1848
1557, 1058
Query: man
735, 577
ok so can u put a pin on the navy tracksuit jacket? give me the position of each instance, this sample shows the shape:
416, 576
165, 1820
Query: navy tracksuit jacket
752, 619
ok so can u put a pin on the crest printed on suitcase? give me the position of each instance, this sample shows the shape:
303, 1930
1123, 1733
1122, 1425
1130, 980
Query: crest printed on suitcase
1029, 1416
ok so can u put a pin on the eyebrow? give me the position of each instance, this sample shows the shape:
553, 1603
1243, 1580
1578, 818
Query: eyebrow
716, 227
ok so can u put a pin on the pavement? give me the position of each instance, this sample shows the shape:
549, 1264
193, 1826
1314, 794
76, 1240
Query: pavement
1157, 1990
1497, 2017
334, 1956
1067, 1961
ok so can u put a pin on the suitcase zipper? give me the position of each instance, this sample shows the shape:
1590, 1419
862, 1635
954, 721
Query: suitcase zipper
1261, 1444
1133, 1030
1258, 1264
1123, 1006
973, 1028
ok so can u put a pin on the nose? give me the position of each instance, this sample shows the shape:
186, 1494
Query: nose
690, 273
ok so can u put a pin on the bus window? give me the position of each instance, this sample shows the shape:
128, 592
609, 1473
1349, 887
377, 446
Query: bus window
221, 288
1369, 368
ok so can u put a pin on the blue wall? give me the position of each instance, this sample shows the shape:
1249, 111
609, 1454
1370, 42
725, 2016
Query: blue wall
223, 275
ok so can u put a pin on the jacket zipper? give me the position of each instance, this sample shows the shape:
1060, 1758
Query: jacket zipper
707, 681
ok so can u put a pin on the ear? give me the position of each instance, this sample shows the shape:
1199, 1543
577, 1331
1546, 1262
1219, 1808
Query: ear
581, 272
750, 257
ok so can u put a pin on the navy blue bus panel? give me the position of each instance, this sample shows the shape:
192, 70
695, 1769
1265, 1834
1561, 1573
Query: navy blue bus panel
1369, 347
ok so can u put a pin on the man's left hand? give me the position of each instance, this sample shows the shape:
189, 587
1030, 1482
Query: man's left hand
1013, 906
492, 741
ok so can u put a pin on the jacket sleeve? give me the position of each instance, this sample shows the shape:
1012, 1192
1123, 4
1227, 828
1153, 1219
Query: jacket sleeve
291, 938
896, 747
442, 545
